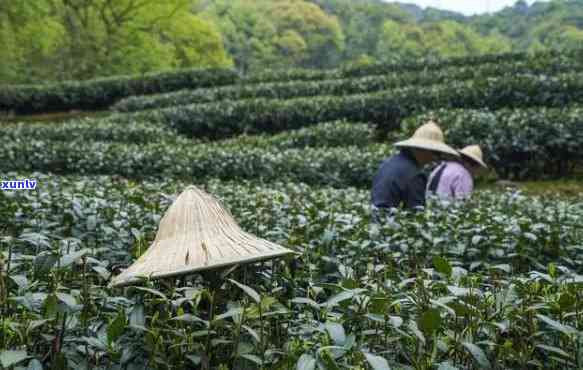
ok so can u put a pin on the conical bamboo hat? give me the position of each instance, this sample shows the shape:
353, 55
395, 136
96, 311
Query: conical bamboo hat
197, 234
474, 152
428, 137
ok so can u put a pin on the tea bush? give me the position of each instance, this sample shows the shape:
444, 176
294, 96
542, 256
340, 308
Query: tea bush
101, 93
342, 166
330, 134
385, 109
90, 129
491, 283
346, 86
521, 143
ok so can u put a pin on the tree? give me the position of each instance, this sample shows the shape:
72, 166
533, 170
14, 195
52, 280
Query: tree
320, 33
78, 39
400, 41
362, 23
277, 34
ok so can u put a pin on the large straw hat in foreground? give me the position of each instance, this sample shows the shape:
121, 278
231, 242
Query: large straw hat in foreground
197, 234
474, 153
428, 137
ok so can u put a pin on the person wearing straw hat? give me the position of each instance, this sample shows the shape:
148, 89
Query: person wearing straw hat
399, 181
455, 179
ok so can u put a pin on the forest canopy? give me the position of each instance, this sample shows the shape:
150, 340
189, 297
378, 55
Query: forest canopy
52, 40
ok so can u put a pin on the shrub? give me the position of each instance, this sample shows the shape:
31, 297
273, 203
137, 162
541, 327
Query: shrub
101, 93
385, 109
346, 86
520, 143
345, 166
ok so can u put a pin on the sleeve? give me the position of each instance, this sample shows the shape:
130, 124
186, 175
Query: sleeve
416, 191
462, 187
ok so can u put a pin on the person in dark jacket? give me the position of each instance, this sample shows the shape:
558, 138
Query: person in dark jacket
399, 182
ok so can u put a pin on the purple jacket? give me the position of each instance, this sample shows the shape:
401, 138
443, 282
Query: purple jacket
451, 180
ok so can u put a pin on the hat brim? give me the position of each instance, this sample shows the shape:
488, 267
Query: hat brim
474, 159
431, 145
166, 267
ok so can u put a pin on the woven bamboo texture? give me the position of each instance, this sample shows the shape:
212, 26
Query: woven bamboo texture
197, 233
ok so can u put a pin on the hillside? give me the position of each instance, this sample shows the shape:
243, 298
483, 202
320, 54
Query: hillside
55, 40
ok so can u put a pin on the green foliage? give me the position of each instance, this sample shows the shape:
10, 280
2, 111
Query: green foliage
89, 130
59, 40
341, 166
101, 93
542, 64
385, 108
502, 303
49, 40
542, 25
332, 134
523, 143
260, 34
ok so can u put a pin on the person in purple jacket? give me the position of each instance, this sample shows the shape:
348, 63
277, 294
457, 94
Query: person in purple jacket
455, 179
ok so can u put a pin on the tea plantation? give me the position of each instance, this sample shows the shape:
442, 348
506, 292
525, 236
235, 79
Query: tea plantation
495, 282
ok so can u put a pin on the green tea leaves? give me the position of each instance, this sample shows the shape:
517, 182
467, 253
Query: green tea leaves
429, 321
11, 358
478, 355
376, 362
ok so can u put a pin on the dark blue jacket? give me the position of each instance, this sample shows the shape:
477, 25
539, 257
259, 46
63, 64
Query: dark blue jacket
399, 182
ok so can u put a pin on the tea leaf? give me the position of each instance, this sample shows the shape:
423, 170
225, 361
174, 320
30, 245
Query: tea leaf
248, 290
20, 280
342, 296
302, 300
116, 328
446, 366
253, 358
336, 332
376, 362
429, 321
232, 312
306, 362
565, 329
554, 350
252, 332
67, 299
153, 292
566, 301
71, 258
442, 265
34, 364
478, 355
11, 358
137, 316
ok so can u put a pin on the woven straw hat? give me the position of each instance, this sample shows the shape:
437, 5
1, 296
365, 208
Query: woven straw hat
474, 153
197, 234
428, 137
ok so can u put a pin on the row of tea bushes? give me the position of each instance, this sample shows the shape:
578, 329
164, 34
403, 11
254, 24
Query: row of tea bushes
385, 109
520, 143
348, 86
101, 93
548, 58
491, 283
329, 134
90, 129
343, 166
